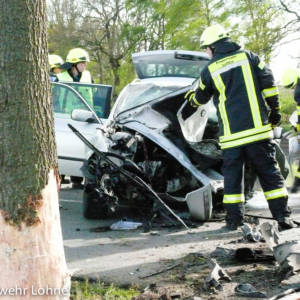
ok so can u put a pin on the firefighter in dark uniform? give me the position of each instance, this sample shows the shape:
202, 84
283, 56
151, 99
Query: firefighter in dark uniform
241, 85
291, 79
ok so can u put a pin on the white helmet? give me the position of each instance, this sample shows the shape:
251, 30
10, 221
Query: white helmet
55, 61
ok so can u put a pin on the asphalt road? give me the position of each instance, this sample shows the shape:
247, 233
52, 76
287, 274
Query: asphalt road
123, 257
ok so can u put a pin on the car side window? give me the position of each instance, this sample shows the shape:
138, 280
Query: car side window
98, 96
65, 100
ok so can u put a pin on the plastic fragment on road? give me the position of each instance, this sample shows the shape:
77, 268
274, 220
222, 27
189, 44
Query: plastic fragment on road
125, 225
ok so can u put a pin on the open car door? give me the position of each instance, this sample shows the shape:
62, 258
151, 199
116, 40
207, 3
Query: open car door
67, 101
98, 96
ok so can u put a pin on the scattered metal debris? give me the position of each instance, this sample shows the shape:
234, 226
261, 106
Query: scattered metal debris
288, 256
286, 253
248, 290
252, 234
270, 234
216, 274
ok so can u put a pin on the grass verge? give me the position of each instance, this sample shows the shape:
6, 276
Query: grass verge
85, 290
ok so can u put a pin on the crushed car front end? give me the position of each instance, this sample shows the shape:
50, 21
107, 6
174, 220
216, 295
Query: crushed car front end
148, 136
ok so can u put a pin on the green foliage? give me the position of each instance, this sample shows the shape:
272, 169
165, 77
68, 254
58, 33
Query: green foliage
112, 30
63, 28
288, 105
99, 291
127, 74
261, 27
186, 19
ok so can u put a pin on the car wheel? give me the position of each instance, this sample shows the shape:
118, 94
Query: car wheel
93, 204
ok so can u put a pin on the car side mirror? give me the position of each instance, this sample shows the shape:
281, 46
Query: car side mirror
83, 116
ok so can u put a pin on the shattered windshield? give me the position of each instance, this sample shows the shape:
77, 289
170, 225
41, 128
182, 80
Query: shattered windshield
137, 94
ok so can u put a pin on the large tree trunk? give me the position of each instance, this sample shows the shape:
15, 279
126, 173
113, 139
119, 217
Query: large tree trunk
31, 250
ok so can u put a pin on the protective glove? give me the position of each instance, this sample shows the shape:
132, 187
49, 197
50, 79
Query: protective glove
274, 117
190, 96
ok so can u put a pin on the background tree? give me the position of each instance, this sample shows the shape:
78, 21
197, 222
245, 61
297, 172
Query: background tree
31, 249
292, 11
186, 20
112, 30
110, 35
150, 15
65, 21
260, 26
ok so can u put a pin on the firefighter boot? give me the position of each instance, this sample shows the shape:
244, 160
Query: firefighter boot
296, 185
281, 213
234, 215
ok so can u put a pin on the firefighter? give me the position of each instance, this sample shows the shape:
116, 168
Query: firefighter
75, 71
291, 79
55, 62
240, 84
75, 66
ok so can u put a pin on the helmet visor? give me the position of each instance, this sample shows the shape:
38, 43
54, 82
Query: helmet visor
83, 58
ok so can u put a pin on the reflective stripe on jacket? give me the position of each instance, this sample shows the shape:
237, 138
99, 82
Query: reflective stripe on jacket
241, 86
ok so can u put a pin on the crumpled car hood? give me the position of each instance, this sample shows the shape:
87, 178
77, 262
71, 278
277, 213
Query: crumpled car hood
151, 124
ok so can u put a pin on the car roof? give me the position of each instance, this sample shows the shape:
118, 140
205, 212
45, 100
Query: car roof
170, 52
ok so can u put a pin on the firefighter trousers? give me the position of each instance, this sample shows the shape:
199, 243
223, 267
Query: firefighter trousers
262, 157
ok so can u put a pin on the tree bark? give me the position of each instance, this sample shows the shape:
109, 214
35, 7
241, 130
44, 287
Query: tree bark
31, 250
32, 259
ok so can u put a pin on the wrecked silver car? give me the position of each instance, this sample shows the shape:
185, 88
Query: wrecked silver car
154, 135
155, 149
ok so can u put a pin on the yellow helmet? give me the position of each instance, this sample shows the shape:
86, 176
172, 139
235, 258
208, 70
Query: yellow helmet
55, 61
77, 55
212, 34
290, 77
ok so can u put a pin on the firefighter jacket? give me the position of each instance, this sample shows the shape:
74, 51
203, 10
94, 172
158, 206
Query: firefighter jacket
297, 98
85, 92
241, 85
65, 76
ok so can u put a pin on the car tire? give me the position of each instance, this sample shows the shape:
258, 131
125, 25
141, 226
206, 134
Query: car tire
93, 205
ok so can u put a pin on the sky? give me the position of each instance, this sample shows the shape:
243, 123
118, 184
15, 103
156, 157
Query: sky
285, 58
